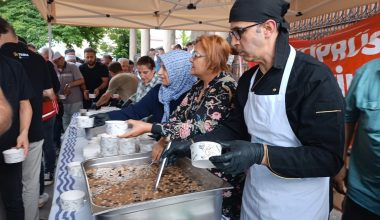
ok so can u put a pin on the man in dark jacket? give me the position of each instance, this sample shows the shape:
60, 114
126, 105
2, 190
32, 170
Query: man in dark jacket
287, 130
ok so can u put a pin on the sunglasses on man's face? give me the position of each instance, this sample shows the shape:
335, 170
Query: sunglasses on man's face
237, 32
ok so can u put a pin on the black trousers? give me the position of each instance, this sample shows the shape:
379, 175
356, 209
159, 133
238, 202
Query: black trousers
58, 127
49, 148
11, 189
42, 178
353, 211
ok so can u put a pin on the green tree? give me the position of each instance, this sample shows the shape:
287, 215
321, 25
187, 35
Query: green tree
184, 38
29, 24
106, 48
121, 38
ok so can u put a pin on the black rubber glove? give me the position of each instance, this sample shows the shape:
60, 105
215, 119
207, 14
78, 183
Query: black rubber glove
178, 149
239, 157
100, 119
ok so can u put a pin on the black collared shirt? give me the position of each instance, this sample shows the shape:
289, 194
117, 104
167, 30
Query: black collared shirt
39, 79
315, 110
16, 87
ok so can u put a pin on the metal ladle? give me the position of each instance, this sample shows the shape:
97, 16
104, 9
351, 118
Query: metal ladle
162, 165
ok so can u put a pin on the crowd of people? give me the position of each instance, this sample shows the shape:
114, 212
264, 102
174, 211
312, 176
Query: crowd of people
284, 126
40, 92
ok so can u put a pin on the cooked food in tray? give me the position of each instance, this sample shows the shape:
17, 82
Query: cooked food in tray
118, 186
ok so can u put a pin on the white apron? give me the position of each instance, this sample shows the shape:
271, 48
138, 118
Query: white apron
267, 196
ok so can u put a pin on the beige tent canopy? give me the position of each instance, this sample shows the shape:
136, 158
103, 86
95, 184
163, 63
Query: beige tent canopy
202, 15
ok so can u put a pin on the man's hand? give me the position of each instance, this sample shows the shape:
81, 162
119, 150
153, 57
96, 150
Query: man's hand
23, 142
339, 181
178, 148
138, 128
241, 156
67, 90
104, 99
100, 119
96, 92
85, 95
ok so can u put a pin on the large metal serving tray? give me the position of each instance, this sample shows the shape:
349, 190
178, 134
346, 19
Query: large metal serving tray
205, 205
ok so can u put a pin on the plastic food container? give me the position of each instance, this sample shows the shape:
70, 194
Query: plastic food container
202, 151
14, 155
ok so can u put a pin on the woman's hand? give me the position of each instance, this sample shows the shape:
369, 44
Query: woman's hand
138, 128
158, 148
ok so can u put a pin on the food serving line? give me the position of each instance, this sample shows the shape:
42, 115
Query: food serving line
205, 204
71, 150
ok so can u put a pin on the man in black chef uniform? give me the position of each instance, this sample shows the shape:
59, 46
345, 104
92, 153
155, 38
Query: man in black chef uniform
287, 128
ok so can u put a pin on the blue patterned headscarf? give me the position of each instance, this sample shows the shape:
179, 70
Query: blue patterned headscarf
178, 66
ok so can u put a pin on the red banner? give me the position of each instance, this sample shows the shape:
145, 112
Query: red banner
346, 50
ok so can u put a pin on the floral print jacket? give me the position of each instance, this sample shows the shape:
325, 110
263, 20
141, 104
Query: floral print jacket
200, 115
194, 116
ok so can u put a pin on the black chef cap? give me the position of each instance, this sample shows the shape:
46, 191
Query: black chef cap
259, 11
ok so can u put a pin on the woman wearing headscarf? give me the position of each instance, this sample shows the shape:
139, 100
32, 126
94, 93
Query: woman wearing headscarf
162, 99
208, 103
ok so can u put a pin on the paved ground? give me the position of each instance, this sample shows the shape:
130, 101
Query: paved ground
45, 210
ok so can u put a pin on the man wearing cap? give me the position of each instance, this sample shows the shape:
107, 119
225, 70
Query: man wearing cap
287, 128
70, 93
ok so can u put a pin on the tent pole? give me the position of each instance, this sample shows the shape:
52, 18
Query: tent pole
49, 38
49, 19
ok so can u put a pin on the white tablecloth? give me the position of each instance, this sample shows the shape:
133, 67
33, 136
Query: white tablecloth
71, 150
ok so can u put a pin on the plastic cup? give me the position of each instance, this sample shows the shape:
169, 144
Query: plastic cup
72, 200
116, 127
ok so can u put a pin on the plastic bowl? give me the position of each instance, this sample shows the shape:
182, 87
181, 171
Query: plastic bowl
14, 155
202, 151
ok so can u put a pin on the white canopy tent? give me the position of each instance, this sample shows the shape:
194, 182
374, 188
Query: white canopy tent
201, 15
197, 15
